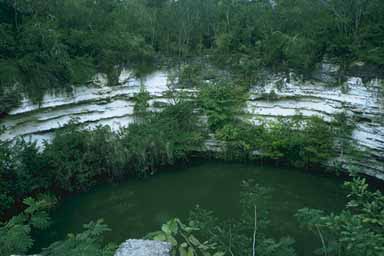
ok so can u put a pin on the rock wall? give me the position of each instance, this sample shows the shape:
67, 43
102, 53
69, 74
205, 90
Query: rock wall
277, 96
361, 102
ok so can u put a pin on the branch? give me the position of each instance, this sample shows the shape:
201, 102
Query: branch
254, 234
322, 241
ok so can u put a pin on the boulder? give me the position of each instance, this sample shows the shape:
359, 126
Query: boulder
134, 247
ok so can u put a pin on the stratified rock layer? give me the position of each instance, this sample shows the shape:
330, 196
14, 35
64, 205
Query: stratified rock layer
363, 103
276, 97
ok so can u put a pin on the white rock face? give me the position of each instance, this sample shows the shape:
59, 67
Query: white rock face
91, 106
363, 103
135, 247
276, 97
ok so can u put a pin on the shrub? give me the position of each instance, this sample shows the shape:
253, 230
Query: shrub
221, 102
357, 230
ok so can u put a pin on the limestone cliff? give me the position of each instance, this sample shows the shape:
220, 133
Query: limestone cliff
276, 96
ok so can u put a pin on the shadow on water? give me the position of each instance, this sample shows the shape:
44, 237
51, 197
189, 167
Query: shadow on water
135, 207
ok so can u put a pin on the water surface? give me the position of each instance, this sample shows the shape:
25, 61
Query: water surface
136, 207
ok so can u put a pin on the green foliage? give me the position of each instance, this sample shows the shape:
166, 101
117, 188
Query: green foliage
183, 241
9, 99
53, 45
300, 54
86, 243
77, 159
236, 237
15, 235
21, 175
356, 230
343, 127
221, 102
302, 143
162, 138
231, 237
241, 140
9, 95
191, 75
47, 45
141, 101
273, 48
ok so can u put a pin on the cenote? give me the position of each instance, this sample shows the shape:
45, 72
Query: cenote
136, 207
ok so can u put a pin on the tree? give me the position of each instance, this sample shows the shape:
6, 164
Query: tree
221, 102
15, 235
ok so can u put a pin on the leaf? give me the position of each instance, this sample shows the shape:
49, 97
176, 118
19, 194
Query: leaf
194, 240
32, 205
40, 220
171, 227
191, 252
219, 254
183, 251
160, 237
171, 239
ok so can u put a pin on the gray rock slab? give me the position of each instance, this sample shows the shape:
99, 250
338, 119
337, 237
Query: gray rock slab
134, 247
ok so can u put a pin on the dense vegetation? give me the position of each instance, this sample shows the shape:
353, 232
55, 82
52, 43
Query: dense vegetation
243, 236
77, 159
47, 45
15, 235
357, 230
298, 141
53, 45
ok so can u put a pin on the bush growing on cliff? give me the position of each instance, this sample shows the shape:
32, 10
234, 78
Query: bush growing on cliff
241, 140
77, 159
52, 45
21, 174
141, 101
221, 102
6, 198
298, 142
9, 99
162, 138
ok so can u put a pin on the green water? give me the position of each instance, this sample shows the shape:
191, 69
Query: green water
136, 207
